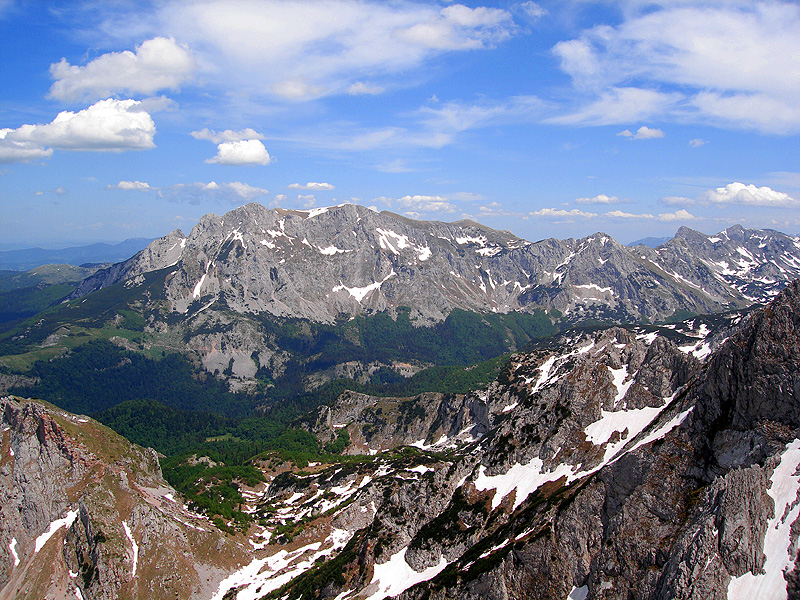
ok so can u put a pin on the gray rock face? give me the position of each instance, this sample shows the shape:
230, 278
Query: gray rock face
350, 260
87, 514
613, 466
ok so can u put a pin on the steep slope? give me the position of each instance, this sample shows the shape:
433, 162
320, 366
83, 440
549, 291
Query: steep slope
87, 514
615, 465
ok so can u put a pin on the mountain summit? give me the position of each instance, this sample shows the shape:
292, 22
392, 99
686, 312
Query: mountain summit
322, 263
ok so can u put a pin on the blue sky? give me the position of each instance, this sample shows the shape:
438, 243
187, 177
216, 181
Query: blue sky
551, 118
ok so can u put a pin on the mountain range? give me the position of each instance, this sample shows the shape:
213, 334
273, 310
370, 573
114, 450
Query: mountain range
222, 288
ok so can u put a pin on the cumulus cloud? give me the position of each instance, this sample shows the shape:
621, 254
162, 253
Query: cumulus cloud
599, 199
739, 193
312, 185
12, 151
241, 153
735, 63
643, 133
679, 215
106, 126
138, 186
558, 212
360, 88
229, 135
697, 142
157, 64
426, 204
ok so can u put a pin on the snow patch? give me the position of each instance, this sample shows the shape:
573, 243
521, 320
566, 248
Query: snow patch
134, 545
13, 547
66, 522
396, 575
360, 293
196, 292
779, 558
579, 593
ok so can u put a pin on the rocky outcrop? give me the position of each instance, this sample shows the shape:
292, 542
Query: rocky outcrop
614, 465
86, 513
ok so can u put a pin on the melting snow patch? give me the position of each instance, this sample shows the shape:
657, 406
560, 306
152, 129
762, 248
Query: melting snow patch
360, 293
510, 407
331, 250
55, 526
134, 545
525, 479
78, 594
622, 386
770, 583
196, 292
648, 338
579, 593
396, 575
13, 547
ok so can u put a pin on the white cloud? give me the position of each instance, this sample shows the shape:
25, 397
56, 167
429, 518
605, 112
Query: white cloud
426, 204
739, 193
470, 197
618, 214
361, 88
458, 27
157, 64
437, 126
679, 201
297, 89
228, 135
307, 200
533, 10
762, 112
680, 215
736, 63
557, 212
697, 142
106, 126
643, 133
243, 152
599, 199
139, 186
300, 49
621, 105
312, 185
12, 151
234, 191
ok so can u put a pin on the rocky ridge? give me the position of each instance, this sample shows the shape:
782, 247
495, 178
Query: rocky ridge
615, 465
87, 514
349, 260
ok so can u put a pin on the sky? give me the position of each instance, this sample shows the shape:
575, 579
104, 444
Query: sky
552, 118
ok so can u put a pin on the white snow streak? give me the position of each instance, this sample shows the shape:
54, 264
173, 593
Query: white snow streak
13, 547
55, 526
196, 292
134, 545
779, 557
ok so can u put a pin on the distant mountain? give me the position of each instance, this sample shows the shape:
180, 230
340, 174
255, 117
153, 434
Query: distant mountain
220, 287
650, 242
24, 260
323, 263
